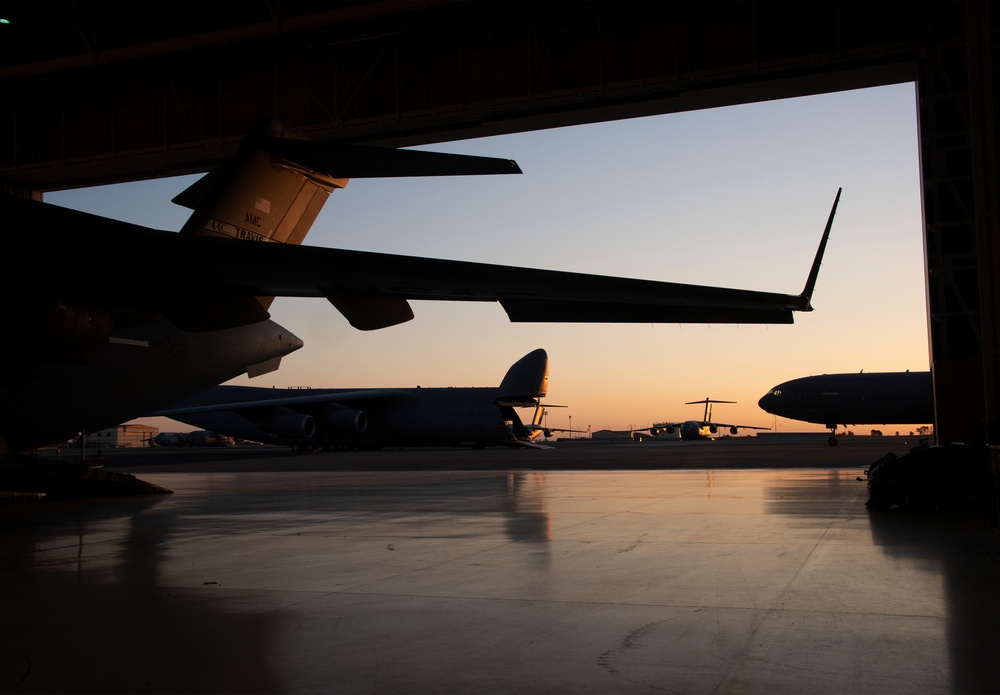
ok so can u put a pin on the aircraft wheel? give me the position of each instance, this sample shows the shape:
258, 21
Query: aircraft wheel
832, 441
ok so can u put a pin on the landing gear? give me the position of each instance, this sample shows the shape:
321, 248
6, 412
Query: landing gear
832, 441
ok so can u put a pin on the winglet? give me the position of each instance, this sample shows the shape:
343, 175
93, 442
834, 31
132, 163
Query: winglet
806, 297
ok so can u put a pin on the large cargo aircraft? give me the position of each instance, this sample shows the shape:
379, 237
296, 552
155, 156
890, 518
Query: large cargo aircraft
875, 398
111, 320
377, 417
691, 430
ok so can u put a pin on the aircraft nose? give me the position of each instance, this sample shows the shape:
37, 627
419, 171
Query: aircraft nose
765, 401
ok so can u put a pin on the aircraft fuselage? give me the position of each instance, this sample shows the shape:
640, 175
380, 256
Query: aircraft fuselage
391, 417
883, 398
135, 371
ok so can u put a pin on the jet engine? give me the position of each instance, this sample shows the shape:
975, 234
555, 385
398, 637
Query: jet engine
344, 422
67, 328
733, 430
713, 429
669, 430
290, 424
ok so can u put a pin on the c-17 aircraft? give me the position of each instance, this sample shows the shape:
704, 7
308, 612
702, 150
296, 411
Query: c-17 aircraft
376, 417
698, 429
536, 428
94, 343
875, 398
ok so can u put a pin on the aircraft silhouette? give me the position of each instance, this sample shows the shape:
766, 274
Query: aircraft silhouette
374, 418
114, 320
698, 429
872, 398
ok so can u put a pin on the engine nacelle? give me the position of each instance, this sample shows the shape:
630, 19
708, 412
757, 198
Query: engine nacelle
344, 422
713, 429
63, 328
290, 424
733, 430
669, 430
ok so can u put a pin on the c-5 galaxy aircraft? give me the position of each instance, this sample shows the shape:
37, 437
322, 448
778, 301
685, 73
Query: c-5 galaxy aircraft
698, 429
197, 438
375, 418
875, 398
95, 338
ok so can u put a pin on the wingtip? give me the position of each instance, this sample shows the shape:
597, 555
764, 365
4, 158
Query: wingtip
805, 303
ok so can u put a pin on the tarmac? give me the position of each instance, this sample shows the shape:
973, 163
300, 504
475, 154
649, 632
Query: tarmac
731, 566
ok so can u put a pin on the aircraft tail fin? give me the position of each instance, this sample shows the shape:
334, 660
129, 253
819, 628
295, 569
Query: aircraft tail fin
275, 186
806, 297
256, 196
708, 406
526, 381
277, 183
539, 414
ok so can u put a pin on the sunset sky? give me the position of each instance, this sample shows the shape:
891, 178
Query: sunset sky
731, 197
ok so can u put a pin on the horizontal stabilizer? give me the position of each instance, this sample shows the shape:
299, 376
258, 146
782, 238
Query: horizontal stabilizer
339, 160
330, 164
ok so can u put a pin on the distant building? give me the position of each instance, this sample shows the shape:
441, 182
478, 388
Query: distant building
122, 437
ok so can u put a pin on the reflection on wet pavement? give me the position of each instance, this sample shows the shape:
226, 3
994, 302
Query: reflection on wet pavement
495, 581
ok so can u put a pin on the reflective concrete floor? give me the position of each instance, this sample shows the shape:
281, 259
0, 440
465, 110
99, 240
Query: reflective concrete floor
267, 577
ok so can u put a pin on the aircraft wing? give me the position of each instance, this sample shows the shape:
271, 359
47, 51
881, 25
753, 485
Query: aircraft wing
372, 289
539, 428
207, 283
209, 402
535, 428
741, 427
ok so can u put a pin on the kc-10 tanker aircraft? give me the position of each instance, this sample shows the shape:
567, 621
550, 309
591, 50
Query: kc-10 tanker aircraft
857, 398
93, 341
377, 417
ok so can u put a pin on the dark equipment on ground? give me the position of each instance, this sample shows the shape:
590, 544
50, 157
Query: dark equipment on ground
944, 475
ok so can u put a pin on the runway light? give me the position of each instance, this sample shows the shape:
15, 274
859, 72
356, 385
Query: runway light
4, 21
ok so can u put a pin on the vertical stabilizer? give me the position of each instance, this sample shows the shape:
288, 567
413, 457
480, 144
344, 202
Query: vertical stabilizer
708, 406
258, 196
539, 415
526, 380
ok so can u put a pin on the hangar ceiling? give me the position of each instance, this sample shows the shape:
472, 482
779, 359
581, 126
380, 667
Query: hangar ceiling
104, 91
110, 91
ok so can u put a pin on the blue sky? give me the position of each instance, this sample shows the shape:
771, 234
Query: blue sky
732, 197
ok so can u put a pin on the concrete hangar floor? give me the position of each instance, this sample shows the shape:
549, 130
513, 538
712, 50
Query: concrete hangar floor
694, 567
